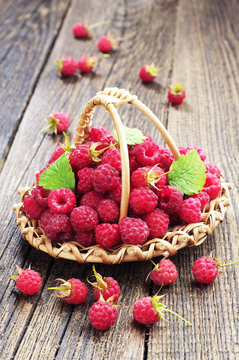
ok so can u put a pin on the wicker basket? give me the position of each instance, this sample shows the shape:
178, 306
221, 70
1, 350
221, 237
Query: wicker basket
178, 238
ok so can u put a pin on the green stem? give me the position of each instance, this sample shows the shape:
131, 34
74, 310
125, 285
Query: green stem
234, 262
99, 23
172, 312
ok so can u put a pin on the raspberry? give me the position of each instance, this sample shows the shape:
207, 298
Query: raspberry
142, 200
133, 231
86, 238
203, 197
164, 273
148, 73
147, 153
212, 186
176, 94
101, 134
31, 207
190, 211
112, 157
56, 226
157, 222
107, 235
67, 66
102, 315
149, 310
133, 163
80, 30
41, 195
205, 270
165, 158
105, 178
106, 287
213, 169
56, 154
91, 199
170, 199
105, 44
84, 218
80, 156
61, 201
108, 211
148, 177
72, 291
58, 122
27, 281
85, 177
185, 150
115, 194
86, 63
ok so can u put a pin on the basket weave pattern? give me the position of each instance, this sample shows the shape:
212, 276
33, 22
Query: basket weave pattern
174, 240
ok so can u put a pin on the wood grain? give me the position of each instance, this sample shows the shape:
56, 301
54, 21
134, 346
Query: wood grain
205, 57
27, 34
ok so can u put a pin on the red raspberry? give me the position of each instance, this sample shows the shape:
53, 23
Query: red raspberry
148, 73
61, 201
105, 44
176, 94
80, 30
205, 270
106, 287
164, 273
86, 63
84, 218
86, 238
112, 157
72, 291
165, 158
212, 186
31, 207
213, 169
157, 222
108, 211
67, 66
133, 163
190, 211
148, 177
147, 153
91, 199
105, 178
41, 195
27, 281
143, 200
203, 197
85, 177
144, 312
107, 235
133, 231
56, 154
115, 194
58, 122
101, 134
170, 199
38, 174
185, 150
149, 310
80, 156
56, 226
102, 315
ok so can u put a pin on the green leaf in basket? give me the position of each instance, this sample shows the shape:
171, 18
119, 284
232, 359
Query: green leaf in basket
133, 136
58, 175
187, 173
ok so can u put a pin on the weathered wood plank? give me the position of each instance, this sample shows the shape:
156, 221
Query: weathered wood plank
37, 337
27, 33
206, 58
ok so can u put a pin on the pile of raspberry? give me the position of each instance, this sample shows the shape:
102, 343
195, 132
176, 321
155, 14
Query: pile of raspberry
90, 214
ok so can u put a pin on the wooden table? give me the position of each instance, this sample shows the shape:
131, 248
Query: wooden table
199, 42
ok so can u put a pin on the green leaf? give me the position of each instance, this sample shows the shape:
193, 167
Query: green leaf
187, 173
133, 136
58, 175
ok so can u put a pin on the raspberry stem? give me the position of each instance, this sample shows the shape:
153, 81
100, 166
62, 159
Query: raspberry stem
64, 290
101, 284
99, 23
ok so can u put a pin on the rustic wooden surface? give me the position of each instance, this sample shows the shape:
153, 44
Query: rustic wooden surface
199, 42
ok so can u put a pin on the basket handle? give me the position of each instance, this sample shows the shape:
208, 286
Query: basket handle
111, 98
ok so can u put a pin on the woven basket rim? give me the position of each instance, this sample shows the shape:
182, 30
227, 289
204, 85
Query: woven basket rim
175, 239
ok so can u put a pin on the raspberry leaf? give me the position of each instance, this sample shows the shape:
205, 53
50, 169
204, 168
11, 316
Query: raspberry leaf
187, 173
58, 175
133, 136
